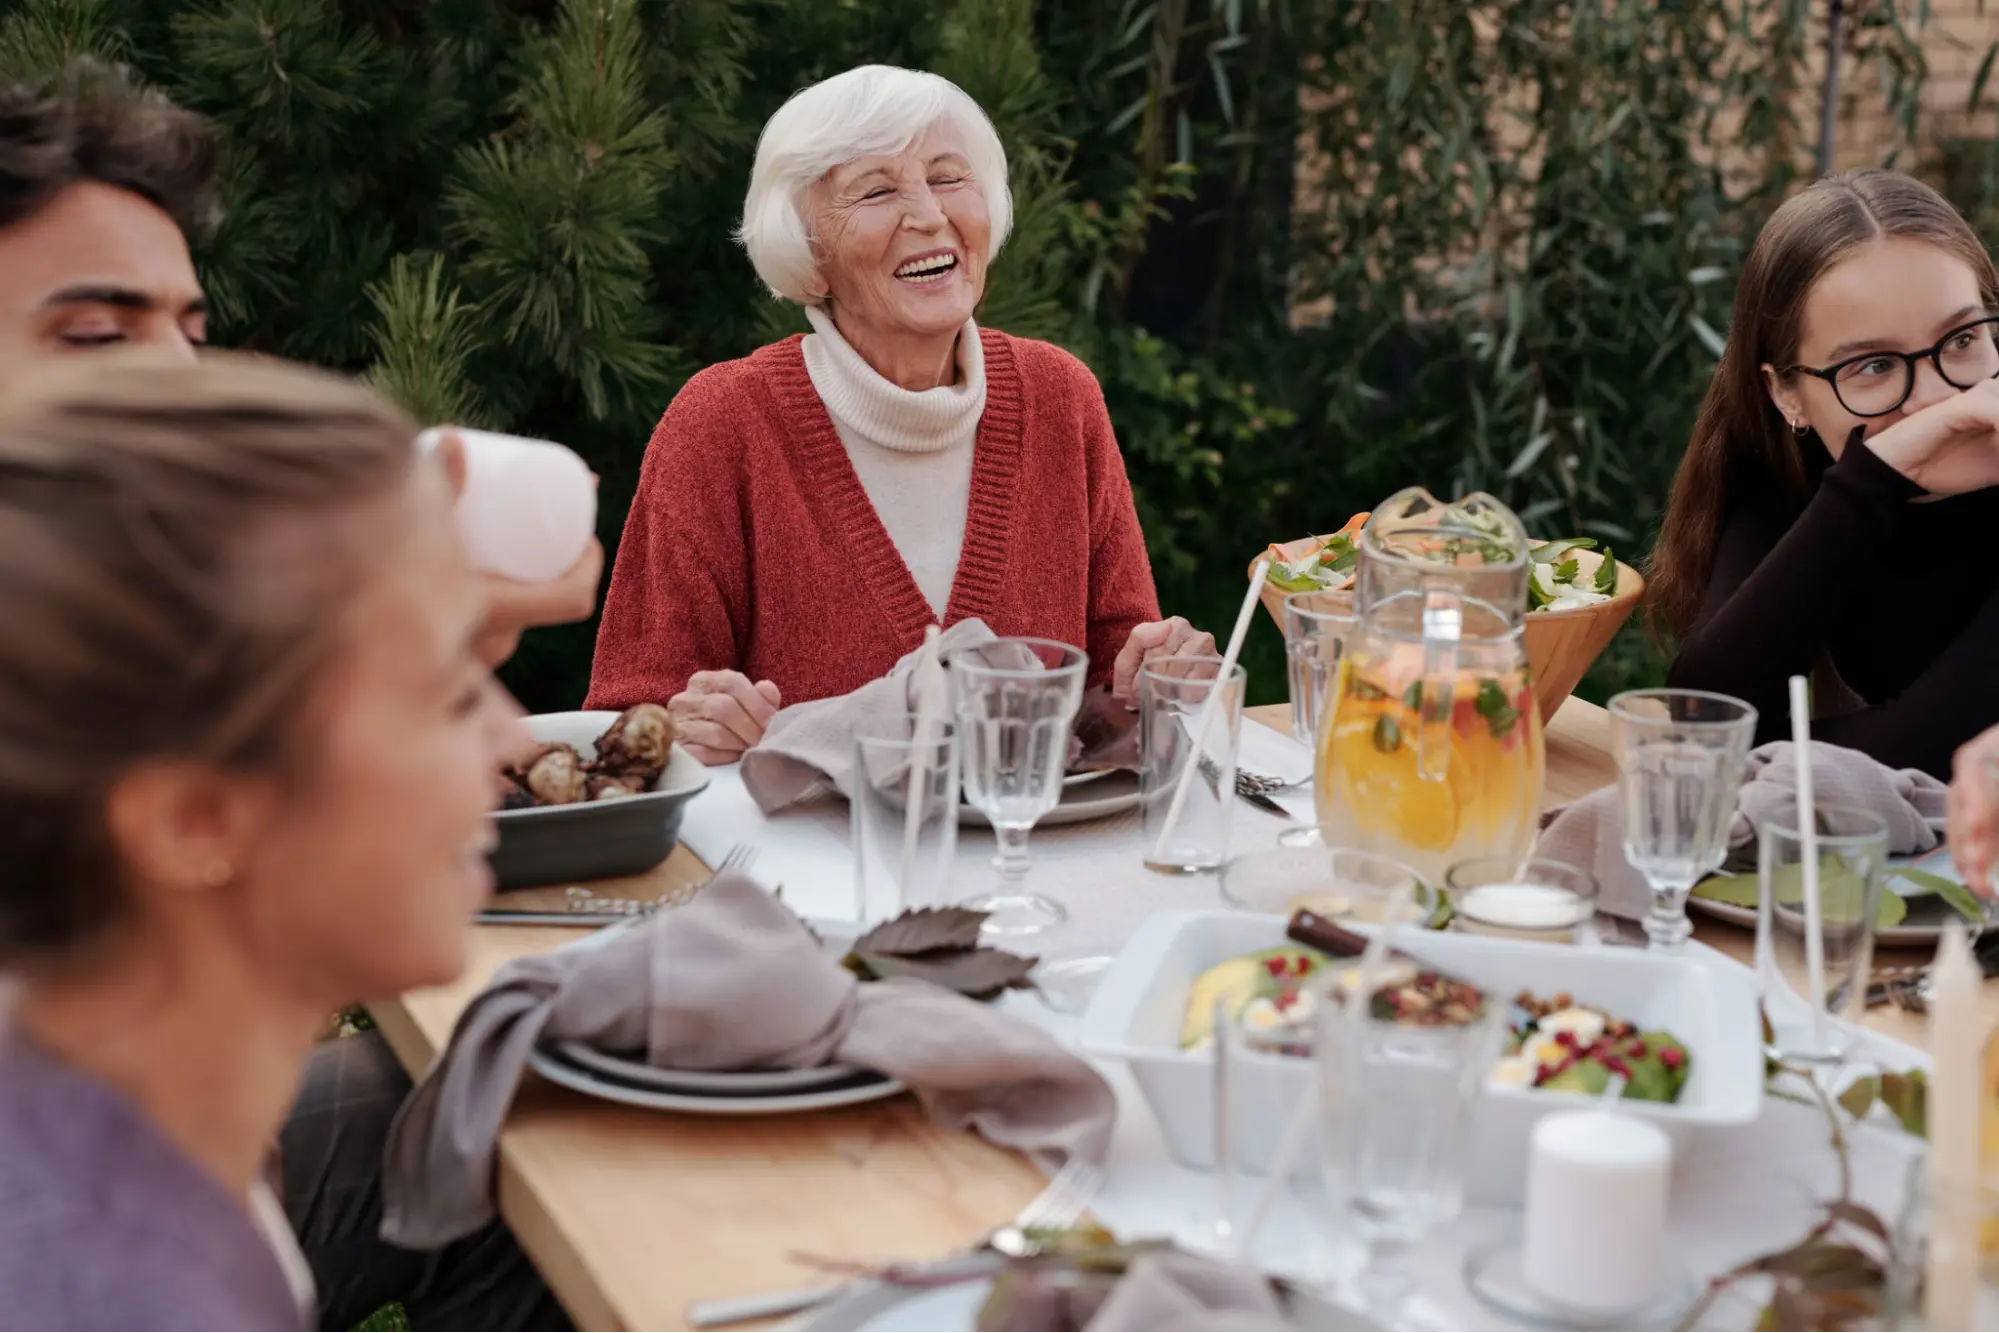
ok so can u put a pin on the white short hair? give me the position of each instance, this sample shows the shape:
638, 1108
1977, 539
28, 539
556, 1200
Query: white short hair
869, 111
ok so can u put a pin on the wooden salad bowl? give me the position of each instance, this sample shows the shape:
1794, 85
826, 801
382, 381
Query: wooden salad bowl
1561, 645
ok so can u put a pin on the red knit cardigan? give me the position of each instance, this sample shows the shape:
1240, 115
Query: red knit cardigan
751, 544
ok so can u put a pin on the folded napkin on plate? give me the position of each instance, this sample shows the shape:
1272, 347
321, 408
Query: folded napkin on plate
1175, 1290
732, 980
1589, 833
808, 749
1163, 1289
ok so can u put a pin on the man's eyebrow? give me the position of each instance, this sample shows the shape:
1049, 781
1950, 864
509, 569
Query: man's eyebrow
124, 298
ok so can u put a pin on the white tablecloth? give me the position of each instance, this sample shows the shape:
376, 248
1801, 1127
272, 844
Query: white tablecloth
1735, 1194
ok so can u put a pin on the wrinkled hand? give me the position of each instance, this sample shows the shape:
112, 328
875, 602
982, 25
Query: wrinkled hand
513, 607
1973, 808
721, 714
1173, 637
1949, 447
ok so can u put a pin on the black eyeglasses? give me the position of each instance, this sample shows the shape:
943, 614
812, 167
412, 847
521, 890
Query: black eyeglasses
1874, 384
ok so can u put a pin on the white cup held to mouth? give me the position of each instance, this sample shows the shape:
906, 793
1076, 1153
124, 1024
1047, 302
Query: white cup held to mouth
528, 508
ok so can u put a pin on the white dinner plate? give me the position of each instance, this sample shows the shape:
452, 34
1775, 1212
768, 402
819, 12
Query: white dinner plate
883, 1307
1115, 793
866, 1088
703, 1082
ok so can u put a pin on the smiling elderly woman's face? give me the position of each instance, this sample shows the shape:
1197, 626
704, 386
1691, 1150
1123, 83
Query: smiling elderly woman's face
901, 241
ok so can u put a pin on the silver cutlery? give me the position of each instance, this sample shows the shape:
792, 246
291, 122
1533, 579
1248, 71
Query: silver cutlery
587, 909
1057, 1207
1258, 798
1266, 785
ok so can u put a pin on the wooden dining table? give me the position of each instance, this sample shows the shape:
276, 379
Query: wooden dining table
633, 1215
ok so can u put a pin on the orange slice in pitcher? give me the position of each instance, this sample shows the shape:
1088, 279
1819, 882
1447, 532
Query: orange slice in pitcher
1374, 755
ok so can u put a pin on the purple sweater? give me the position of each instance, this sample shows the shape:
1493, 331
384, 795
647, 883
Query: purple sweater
104, 1224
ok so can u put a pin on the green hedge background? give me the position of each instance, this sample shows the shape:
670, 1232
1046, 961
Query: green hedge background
1509, 268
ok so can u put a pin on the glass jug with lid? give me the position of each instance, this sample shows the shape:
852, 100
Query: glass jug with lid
1431, 748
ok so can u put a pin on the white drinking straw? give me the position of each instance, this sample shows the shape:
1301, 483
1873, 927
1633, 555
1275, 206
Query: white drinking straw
1352, 1013
927, 691
1808, 849
1209, 707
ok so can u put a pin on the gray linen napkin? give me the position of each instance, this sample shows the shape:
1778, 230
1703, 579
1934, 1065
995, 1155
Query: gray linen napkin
1164, 1292
1588, 833
1174, 1290
808, 749
732, 980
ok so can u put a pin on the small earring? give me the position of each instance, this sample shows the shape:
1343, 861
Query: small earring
218, 874
1800, 429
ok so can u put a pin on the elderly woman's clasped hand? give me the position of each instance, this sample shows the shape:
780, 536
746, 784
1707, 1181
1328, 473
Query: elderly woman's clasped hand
723, 713
1974, 810
1172, 637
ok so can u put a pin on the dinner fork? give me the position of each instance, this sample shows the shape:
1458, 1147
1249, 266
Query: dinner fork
1057, 1207
584, 908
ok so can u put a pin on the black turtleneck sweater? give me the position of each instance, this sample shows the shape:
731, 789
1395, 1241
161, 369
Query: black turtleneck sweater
1901, 599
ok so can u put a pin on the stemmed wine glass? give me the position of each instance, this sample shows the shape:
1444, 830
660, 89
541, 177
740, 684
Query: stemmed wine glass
1680, 759
1017, 701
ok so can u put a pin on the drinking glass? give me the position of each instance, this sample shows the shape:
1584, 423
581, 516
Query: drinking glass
1396, 1100
905, 814
1283, 1024
1174, 703
1680, 757
1016, 702
1852, 849
1316, 625
1303, 873
1534, 899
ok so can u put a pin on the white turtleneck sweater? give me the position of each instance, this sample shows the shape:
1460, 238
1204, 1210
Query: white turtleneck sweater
911, 449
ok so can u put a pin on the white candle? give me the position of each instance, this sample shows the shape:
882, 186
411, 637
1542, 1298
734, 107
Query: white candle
1596, 1211
1523, 911
1957, 1046
529, 507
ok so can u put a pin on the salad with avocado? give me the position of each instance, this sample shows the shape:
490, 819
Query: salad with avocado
1558, 581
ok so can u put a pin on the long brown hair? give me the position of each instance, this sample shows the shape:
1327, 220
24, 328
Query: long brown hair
1742, 445
177, 546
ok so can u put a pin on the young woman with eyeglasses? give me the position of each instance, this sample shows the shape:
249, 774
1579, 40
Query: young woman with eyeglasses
1837, 512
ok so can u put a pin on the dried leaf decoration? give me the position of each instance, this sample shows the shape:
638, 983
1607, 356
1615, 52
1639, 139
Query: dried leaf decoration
924, 929
939, 945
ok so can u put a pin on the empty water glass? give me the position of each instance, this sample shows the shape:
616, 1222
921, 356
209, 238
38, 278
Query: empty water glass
1680, 758
1852, 850
1316, 625
1179, 697
1396, 1100
1016, 702
905, 814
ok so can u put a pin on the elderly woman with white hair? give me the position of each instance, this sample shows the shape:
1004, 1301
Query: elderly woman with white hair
805, 513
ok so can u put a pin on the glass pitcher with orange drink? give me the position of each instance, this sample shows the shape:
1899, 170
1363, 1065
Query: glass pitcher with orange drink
1430, 749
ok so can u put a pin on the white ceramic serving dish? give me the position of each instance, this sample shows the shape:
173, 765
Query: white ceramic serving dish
1136, 1013
565, 844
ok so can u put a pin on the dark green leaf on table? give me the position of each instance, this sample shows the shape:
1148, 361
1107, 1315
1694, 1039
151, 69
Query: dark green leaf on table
1961, 899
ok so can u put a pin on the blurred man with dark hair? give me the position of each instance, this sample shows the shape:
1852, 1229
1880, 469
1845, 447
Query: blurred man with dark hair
102, 188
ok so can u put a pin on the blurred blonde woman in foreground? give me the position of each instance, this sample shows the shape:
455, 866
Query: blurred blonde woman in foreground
246, 762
